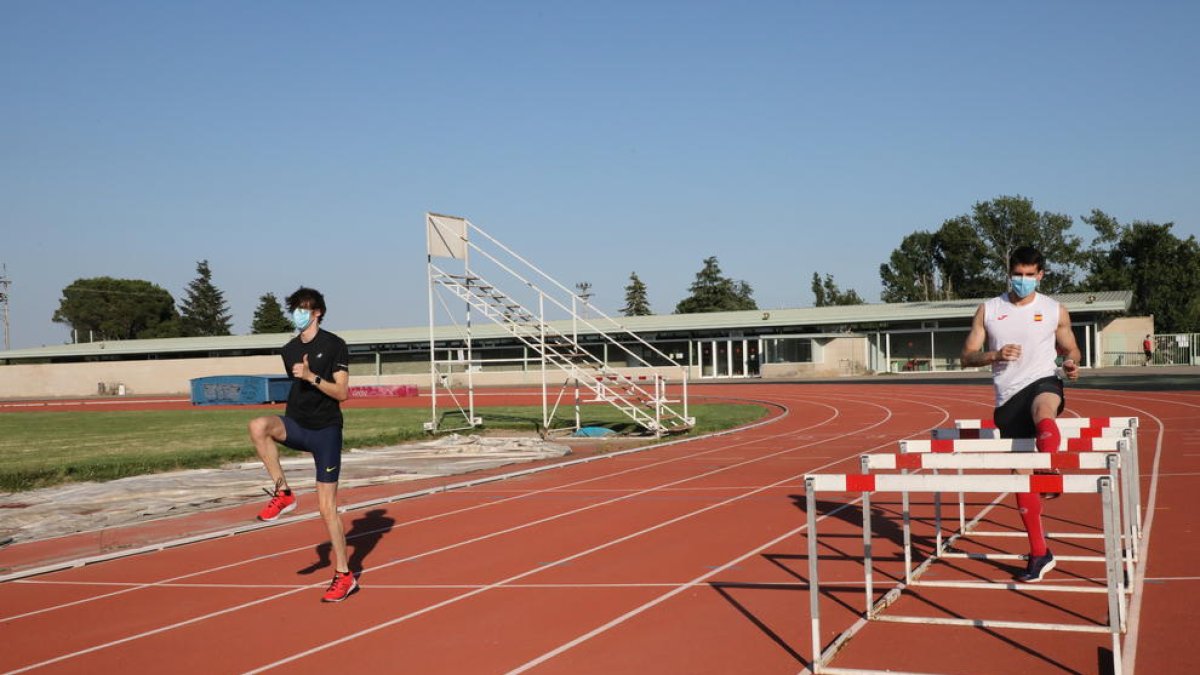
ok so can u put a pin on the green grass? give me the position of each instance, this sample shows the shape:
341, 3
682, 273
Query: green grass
40, 449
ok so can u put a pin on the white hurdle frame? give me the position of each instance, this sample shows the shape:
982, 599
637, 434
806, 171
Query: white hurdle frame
1104, 486
1128, 476
1110, 462
1068, 426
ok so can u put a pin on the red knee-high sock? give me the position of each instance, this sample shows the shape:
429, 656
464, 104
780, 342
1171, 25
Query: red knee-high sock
1048, 437
1029, 505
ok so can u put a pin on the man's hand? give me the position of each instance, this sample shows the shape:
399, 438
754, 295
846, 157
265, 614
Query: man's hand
1071, 369
300, 370
1009, 353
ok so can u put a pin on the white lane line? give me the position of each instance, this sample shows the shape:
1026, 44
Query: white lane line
491, 535
528, 494
436, 587
594, 549
1133, 621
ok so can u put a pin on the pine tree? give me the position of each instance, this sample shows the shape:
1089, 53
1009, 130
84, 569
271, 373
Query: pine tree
204, 311
828, 294
269, 316
636, 303
714, 292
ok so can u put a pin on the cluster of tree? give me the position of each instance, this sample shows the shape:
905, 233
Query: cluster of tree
967, 257
712, 291
104, 308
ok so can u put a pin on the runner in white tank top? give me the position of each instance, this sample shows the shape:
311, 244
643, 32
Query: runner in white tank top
1032, 325
1023, 332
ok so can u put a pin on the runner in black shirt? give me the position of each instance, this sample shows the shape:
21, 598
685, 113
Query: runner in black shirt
318, 362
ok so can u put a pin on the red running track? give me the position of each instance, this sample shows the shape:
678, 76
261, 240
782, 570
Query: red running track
686, 558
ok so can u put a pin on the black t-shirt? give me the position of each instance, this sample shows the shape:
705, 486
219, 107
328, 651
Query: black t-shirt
327, 354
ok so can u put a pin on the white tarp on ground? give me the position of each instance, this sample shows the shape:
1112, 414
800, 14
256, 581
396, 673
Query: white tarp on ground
79, 507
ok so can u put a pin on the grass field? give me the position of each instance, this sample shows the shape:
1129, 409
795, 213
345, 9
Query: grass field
39, 449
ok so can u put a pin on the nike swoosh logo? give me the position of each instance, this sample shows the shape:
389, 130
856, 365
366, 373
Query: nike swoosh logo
330, 469
1002, 317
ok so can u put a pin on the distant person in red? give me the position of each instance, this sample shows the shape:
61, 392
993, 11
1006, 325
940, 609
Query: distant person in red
1148, 348
1024, 332
318, 362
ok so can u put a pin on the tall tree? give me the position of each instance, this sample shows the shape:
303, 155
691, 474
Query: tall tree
1006, 223
910, 275
961, 258
828, 294
714, 292
636, 302
970, 253
269, 316
1162, 270
204, 311
104, 308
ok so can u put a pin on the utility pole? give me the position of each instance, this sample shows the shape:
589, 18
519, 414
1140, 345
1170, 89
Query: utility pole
584, 288
4, 283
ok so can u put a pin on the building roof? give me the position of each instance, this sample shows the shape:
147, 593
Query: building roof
846, 317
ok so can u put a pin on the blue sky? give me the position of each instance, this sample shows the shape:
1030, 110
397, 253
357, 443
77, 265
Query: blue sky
295, 143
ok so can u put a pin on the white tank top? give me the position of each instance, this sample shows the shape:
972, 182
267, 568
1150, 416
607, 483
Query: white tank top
1033, 327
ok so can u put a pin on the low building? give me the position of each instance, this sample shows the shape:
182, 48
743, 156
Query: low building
815, 342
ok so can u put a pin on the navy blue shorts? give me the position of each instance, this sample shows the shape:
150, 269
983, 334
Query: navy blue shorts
324, 444
1014, 419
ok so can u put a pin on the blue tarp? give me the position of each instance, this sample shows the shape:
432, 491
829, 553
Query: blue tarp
240, 389
594, 431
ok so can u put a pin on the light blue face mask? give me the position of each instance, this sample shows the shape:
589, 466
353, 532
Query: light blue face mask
301, 318
1023, 286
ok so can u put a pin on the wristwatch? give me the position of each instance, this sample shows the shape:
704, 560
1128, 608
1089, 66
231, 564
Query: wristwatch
316, 380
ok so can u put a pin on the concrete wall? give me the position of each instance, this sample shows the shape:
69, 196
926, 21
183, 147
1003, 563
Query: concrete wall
141, 378
1121, 341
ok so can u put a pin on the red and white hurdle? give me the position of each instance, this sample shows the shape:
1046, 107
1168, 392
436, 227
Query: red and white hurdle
1125, 445
1063, 422
1029, 461
1079, 427
1102, 485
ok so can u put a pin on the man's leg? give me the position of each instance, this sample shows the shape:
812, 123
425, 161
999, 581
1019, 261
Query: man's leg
1044, 411
264, 433
327, 502
344, 584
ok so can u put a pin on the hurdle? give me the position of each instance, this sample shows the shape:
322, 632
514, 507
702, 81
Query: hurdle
1073, 427
1110, 462
1124, 446
1127, 426
1103, 486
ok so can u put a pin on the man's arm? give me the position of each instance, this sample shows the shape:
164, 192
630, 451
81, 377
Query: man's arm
972, 356
1064, 339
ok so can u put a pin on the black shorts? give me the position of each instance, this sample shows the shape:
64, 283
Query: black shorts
325, 445
1014, 419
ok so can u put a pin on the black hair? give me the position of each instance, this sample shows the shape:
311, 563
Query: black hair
309, 297
1027, 255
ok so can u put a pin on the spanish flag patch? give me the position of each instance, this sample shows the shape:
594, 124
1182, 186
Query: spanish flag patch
1037, 317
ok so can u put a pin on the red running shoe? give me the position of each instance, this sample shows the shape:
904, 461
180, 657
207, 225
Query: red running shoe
280, 504
342, 586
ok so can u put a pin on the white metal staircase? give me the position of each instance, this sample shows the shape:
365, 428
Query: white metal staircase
642, 398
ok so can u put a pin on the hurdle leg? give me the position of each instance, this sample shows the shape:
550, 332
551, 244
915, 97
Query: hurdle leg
1127, 488
868, 568
1135, 494
907, 534
962, 509
1116, 594
814, 588
937, 521
1125, 530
